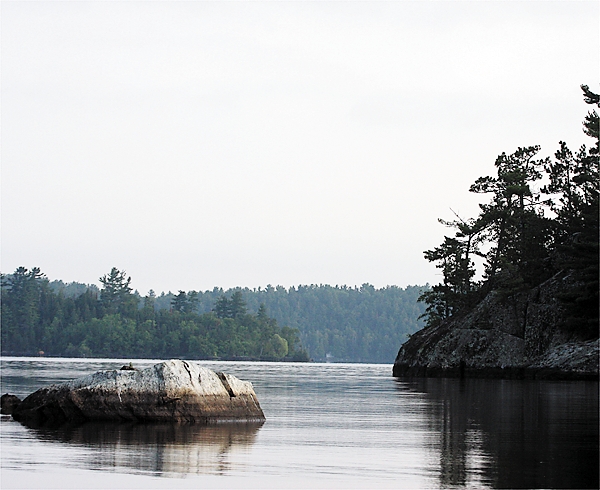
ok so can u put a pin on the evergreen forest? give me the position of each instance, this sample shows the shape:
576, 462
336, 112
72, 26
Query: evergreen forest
540, 220
324, 323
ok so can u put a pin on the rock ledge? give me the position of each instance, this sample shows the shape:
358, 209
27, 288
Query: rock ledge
516, 337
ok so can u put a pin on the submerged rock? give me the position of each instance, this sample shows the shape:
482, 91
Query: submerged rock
171, 391
504, 337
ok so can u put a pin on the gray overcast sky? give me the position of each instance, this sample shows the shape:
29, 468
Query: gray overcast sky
201, 144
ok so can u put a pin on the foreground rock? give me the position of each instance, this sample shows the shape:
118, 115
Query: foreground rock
172, 391
517, 337
8, 403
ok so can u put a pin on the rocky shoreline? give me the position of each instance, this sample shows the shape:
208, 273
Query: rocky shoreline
517, 337
545, 368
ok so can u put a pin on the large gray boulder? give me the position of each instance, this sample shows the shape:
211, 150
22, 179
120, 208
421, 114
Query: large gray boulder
171, 391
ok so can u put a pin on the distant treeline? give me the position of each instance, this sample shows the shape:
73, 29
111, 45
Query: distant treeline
359, 324
338, 323
39, 317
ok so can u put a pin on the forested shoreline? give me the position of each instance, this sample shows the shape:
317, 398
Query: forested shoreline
541, 219
325, 323
534, 311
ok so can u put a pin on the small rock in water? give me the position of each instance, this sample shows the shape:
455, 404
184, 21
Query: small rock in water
8, 403
171, 391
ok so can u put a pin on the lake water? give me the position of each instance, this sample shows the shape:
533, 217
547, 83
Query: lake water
328, 426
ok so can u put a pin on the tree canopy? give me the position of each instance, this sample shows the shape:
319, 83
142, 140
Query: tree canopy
114, 322
541, 218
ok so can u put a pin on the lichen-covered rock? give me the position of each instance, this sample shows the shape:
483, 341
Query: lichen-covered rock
573, 357
516, 337
171, 391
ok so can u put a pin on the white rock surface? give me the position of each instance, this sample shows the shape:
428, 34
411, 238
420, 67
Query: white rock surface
175, 390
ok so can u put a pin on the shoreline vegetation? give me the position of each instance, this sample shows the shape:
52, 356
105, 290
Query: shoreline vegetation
534, 313
321, 323
113, 323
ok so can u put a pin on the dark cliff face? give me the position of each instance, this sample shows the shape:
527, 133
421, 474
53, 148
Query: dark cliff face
520, 336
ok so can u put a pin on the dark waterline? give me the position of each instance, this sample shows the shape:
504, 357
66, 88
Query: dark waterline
327, 424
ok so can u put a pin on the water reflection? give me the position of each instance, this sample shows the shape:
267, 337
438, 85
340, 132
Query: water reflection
160, 449
513, 434
329, 426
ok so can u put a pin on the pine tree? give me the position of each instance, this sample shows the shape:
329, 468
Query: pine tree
116, 295
513, 221
526, 246
574, 181
179, 302
237, 305
222, 307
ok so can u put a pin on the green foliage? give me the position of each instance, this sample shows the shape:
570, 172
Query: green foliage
455, 258
235, 307
340, 323
525, 244
116, 296
337, 323
575, 180
185, 302
513, 222
24, 299
222, 307
276, 347
35, 318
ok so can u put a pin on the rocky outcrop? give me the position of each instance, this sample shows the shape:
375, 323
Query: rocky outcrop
508, 337
172, 391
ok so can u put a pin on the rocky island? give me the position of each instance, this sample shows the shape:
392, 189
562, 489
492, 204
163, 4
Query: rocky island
529, 308
172, 391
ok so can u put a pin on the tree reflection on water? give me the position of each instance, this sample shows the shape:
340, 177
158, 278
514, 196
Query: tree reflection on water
513, 434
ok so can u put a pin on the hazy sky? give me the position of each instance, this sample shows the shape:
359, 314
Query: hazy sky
201, 144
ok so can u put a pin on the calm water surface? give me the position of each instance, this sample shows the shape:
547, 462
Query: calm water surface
327, 425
